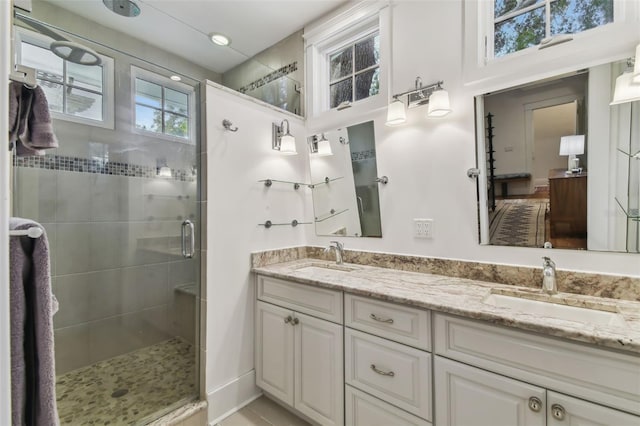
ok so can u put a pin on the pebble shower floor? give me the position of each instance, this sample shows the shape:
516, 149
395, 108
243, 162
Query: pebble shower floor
128, 389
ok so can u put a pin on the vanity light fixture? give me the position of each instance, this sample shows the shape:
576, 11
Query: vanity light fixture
319, 147
433, 94
626, 89
283, 141
220, 39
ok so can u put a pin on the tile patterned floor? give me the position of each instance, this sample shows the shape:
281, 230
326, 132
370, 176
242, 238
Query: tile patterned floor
156, 378
263, 412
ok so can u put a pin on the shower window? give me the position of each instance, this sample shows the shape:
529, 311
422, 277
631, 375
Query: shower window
163, 106
74, 92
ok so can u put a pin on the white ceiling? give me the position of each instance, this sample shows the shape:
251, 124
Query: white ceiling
182, 26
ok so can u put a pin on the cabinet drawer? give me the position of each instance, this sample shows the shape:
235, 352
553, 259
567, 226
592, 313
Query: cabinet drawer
319, 302
395, 322
393, 372
598, 375
365, 410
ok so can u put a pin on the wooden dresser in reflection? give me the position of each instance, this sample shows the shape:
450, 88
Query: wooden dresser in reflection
567, 204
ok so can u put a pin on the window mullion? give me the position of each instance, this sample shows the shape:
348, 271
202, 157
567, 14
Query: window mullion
162, 111
64, 87
547, 20
353, 72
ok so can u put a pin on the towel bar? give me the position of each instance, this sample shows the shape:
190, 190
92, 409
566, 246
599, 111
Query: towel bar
33, 232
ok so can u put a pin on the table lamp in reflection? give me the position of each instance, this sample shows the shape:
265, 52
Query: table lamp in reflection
572, 145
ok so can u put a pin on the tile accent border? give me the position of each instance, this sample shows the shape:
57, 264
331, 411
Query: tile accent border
589, 284
96, 166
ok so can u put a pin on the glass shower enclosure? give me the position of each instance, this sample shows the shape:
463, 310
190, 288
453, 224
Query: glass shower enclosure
119, 202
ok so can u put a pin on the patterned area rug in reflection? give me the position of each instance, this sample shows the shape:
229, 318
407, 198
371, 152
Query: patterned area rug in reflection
128, 389
518, 223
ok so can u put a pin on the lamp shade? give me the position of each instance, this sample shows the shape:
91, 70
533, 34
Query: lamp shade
396, 113
625, 90
439, 104
324, 147
288, 145
572, 145
636, 67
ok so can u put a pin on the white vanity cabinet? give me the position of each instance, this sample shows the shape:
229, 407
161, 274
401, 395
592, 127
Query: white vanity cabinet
299, 355
387, 366
529, 379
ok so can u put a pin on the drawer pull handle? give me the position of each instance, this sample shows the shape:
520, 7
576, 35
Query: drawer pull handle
535, 404
382, 373
376, 318
558, 412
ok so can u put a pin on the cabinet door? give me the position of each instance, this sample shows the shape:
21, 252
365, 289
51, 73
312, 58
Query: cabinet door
563, 410
468, 396
319, 377
274, 351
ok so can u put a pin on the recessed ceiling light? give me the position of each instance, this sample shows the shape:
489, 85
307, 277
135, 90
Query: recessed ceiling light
220, 39
176, 78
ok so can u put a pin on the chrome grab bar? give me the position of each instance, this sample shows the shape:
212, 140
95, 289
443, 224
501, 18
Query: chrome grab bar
377, 318
192, 241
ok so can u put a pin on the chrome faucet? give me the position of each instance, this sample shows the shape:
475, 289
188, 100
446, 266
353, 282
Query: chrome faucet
339, 247
549, 285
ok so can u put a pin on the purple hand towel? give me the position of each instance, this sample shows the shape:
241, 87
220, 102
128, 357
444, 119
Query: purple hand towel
30, 125
32, 348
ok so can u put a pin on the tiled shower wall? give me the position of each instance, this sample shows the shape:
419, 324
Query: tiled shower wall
115, 258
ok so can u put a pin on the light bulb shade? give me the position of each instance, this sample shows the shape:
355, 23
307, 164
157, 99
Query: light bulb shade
625, 90
572, 145
636, 67
324, 148
439, 104
288, 145
396, 113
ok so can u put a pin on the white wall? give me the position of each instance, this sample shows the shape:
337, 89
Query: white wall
236, 204
426, 159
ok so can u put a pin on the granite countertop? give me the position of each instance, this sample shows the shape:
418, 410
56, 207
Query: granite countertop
465, 297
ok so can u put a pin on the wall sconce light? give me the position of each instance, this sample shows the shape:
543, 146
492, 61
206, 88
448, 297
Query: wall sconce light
572, 145
162, 170
433, 94
283, 141
627, 87
319, 147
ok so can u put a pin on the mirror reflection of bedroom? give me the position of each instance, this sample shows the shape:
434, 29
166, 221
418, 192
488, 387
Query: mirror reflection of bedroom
537, 164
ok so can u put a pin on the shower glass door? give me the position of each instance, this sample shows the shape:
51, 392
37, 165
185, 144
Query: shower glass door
118, 200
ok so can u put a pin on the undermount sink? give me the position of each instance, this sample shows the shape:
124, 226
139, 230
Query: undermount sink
323, 266
555, 309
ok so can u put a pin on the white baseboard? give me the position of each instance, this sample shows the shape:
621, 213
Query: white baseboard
229, 398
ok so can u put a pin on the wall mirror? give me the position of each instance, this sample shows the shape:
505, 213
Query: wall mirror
344, 181
559, 167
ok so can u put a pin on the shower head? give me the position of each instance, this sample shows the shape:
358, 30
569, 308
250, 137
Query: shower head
68, 50
123, 7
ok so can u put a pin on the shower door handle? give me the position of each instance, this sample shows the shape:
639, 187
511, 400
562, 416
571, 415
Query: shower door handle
188, 232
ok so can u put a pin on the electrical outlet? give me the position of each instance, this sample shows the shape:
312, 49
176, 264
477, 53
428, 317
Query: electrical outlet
423, 228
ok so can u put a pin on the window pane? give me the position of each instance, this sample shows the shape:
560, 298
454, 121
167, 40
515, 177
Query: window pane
341, 64
53, 93
523, 31
367, 53
574, 16
86, 77
341, 92
148, 119
148, 93
176, 101
49, 66
367, 84
84, 104
176, 125
502, 7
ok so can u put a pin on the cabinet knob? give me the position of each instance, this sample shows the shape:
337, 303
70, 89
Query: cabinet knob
296, 321
288, 319
558, 412
535, 404
377, 318
381, 372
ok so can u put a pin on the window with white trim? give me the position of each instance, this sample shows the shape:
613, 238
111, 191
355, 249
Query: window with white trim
520, 24
162, 106
74, 92
354, 71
